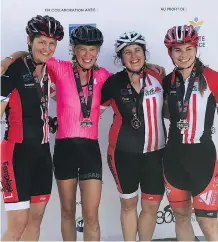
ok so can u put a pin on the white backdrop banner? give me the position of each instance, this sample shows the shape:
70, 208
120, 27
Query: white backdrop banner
152, 19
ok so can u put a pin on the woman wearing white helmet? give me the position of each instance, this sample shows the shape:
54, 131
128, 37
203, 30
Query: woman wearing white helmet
136, 138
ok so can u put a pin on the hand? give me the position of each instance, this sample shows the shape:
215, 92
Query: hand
5, 64
53, 124
158, 69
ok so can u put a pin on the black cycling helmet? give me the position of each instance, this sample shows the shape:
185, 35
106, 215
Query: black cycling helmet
86, 35
46, 26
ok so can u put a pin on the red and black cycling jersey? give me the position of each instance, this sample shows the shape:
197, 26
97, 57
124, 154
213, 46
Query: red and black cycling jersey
150, 135
25, 119
201, 108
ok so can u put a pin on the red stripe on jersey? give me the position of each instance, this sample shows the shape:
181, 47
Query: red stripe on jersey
7, 172
194, 118
112, 166
186, 131
15, 118
115, 128
155, 123
149, 125
149, 80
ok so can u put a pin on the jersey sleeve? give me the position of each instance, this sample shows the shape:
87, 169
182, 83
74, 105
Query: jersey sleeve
52, 66
166, 84
106, 92
212, 80
7, 86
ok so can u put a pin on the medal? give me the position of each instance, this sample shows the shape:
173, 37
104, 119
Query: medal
136, 123
183, 124
86, 122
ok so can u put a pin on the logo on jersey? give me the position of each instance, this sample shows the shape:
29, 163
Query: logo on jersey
27, 77
79, 224
151, 90
71, 28
6, 183
197, 24
209, 198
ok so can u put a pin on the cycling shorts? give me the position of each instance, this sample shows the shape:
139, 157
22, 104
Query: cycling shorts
26, 170
192, 170
133, 169
77, 158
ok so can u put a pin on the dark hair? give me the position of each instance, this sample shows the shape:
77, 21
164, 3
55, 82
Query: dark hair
199, 67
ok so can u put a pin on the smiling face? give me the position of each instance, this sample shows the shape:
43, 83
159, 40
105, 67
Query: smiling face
86, 55
43, 48
184, 55
133, 57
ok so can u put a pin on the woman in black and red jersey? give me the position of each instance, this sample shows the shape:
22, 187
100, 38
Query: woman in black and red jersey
136, 138
190, 161
26, 164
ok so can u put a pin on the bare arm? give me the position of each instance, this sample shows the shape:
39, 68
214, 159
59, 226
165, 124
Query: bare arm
158, 69
3, 107
5, 63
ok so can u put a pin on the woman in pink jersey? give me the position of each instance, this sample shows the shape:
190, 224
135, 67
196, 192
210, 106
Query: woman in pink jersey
77, 157
136, 138
190, 161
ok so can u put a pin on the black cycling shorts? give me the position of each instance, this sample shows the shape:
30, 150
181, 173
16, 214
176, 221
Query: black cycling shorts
26, 171
77, 158
192, 170
133, 169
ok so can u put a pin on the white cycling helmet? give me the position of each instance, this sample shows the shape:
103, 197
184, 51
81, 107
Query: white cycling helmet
129, 38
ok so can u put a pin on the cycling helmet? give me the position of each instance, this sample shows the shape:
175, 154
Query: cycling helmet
181, 35
86, 35
46, 26
129, 38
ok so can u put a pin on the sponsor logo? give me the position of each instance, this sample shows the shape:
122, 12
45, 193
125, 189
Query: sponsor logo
91, 175
167, 216
70, 10
42, 198
71, 28
30, 85
151, 91
7, 187
173, 9
206, 197
79, 224
124, 92
197, 25
27, 77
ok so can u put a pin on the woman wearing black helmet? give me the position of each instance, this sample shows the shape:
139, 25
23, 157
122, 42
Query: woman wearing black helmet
26, 164
136, 137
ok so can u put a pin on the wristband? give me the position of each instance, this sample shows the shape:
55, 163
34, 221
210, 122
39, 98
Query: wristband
12, 58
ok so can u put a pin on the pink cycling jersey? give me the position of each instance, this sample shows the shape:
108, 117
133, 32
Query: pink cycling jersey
69, 114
